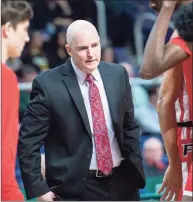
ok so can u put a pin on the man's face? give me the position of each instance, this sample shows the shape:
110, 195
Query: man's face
85, 51
153, 153
17, 38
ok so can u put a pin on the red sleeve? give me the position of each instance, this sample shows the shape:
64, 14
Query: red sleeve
180, 42
10, 126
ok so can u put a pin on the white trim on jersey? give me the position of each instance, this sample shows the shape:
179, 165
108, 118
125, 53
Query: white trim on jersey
184, 134
188, 193
182, 106
184, 174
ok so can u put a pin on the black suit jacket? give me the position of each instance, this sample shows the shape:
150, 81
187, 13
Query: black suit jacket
56, 117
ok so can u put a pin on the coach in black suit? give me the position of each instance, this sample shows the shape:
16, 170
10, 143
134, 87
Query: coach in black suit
82, 112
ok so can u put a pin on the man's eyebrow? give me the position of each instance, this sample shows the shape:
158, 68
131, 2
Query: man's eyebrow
82, 46
95, 43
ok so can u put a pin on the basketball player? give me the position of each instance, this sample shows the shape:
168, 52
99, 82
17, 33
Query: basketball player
157, 57
170, 89
15, 16
176, 128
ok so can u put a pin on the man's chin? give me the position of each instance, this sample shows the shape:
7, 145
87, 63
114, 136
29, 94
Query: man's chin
91, 68
92, 65
15, 55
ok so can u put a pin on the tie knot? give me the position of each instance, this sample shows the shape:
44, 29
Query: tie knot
90, 78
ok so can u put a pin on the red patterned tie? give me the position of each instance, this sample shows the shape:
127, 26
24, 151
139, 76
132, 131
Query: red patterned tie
102, 145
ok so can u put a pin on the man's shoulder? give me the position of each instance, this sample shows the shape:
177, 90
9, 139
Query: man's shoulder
113, 67
110, 64
51, 74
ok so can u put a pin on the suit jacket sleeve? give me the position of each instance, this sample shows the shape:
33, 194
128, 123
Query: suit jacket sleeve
34, 128
131, 130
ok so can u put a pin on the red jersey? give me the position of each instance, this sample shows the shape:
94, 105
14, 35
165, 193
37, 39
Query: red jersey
184, 141
10, 127
185, 114
187, 67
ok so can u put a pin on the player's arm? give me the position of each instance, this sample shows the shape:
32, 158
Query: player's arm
170, 90
157, 57
171, 87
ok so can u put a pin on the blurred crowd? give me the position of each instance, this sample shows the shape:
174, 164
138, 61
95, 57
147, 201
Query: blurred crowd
46, 50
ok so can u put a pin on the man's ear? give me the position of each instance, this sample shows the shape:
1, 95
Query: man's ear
68, 49
6, 28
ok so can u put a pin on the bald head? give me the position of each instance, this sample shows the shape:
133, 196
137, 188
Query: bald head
153, 143
83, 45
153, 150
80, 28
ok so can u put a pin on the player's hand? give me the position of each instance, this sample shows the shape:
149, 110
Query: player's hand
172, 183
47, 197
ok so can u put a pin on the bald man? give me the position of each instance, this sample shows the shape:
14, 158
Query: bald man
82, 111
153, 152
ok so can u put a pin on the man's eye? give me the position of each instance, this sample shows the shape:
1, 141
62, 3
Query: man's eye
82, 48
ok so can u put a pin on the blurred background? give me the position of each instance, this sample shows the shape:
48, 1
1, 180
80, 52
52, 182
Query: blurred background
124, 27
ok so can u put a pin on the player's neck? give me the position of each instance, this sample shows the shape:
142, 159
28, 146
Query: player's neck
4, 52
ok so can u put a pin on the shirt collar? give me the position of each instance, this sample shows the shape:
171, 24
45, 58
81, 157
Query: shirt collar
81, 76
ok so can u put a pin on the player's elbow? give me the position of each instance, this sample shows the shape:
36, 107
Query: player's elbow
148, 71
165, 102
151, 68
145, 75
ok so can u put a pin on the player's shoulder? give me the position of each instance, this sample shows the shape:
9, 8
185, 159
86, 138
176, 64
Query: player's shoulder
181, 43
8, 74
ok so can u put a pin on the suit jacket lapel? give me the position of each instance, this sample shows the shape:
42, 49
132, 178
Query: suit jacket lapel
110, 90
72, 85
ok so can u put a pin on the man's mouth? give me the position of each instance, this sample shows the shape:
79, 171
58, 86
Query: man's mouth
90, 61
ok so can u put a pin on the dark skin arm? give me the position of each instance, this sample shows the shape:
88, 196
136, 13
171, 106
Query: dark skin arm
171, 88
158, 58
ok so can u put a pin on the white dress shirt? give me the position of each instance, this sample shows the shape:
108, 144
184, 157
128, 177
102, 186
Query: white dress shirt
84, 87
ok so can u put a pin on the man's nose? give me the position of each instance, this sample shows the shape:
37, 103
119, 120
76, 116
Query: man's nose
90, 52
27, 38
